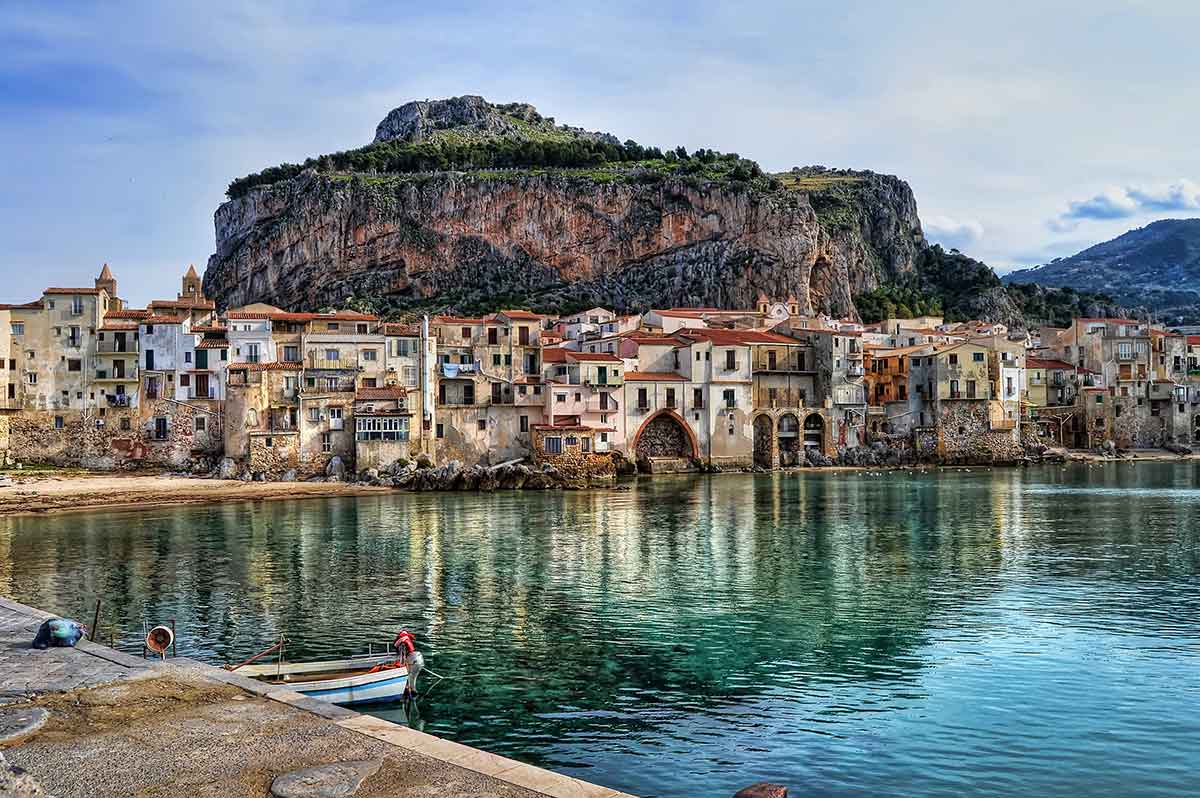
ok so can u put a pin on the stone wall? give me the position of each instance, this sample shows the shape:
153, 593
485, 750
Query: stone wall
966, 435
380, 454
578, 467
274, 455
663, 437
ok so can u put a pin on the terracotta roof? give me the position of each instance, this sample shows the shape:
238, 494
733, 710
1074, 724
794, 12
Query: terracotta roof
208, 328
105, 273
127, 313
555, 355
161, 320
598, 357
34, 305
646, 339
685, 314
456, 320
71, 291
390, 392
191, 272
1194, 340
341, 315
394, 328
207, 304
1045, 363
738, 337
213, 343
118, 325
521, 314
654, 376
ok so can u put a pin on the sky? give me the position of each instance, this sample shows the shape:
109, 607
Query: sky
1027, 130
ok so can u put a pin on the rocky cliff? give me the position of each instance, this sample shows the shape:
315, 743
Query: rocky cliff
465, 205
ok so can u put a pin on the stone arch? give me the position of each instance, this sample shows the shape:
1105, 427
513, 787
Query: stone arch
790, 449
814, 432
665, 434
764, 441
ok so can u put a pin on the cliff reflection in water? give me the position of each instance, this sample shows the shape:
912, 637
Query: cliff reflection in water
626, 617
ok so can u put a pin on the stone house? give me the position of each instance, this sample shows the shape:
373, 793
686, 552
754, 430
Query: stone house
382, 427
584, 389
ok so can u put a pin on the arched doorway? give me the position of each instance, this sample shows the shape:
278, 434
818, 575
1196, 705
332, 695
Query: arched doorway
814, 432
664, 436
764, 435
789, 440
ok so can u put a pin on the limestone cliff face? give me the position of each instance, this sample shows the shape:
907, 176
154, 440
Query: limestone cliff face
556, 238
452, 238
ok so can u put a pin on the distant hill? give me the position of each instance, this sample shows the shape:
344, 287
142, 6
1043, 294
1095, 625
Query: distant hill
1155, 267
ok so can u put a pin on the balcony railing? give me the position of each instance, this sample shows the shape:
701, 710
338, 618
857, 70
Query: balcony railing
192, 393
331, 385
108, 375
345, 362
111, 346
792, 361
119, 399
764, 399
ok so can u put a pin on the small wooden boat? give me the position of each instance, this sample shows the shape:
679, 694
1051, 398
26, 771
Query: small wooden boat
358, 680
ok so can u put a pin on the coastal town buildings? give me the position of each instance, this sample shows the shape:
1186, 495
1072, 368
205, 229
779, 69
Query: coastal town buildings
262, 392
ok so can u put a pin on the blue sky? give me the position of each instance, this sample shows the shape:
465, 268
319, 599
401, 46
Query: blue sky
1027, 131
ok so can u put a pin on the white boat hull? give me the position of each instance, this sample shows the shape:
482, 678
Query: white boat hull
386, 684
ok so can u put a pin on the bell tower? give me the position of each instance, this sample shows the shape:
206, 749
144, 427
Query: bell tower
109, 284
193, 289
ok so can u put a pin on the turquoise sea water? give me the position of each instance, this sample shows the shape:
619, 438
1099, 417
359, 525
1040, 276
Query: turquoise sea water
985, 632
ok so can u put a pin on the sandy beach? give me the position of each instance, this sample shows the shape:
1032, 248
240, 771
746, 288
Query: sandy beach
61, 491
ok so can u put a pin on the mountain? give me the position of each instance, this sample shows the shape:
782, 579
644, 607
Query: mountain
1155, 267
463, 205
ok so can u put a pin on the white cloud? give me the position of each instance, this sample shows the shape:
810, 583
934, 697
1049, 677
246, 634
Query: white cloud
952, 233
1127, 202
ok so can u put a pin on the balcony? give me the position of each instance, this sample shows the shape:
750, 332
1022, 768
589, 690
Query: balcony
795, 362
107, 375
192, 393
346, 362
781, 398
325, 385
854, 370
120, 399
111, 346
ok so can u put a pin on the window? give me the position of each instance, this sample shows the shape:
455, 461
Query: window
466, 333
578, 396
970, 389
493, 336
553, 445
270, 442
369, 382
149, 329
603, 400
496, 359
58, 422
730, 398
18, 328
370, 355
361, 329
410, 375
698, 398
524, 423
326, 442
643, 398
314, 414
187, 357
441, 431
185, 380
332, 354
481, 424
730, 360
31, 379
74, 365
697, 357
670, 397
125, 424
585, 444
291, 354
560, 397
370, 428
954, 360
333, 326
954, 389
977, 357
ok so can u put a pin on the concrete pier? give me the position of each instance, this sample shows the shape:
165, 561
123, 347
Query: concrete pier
116, 725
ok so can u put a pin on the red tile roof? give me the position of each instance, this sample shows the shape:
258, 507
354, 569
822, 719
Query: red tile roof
35, 304
555, 355
161, 320
654, 376
520, 314
127, 313
456, 320
213, 343
118, 325
387, 393
597, 357
402, 329
737, 337
207, 304
71, 291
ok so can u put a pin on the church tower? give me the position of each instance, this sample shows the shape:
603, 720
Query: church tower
109, 284
193, 289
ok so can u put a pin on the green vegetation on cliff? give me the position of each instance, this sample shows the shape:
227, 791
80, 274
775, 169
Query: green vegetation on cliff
584, 157
961, 288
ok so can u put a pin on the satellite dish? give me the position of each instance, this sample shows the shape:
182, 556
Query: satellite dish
159, 639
